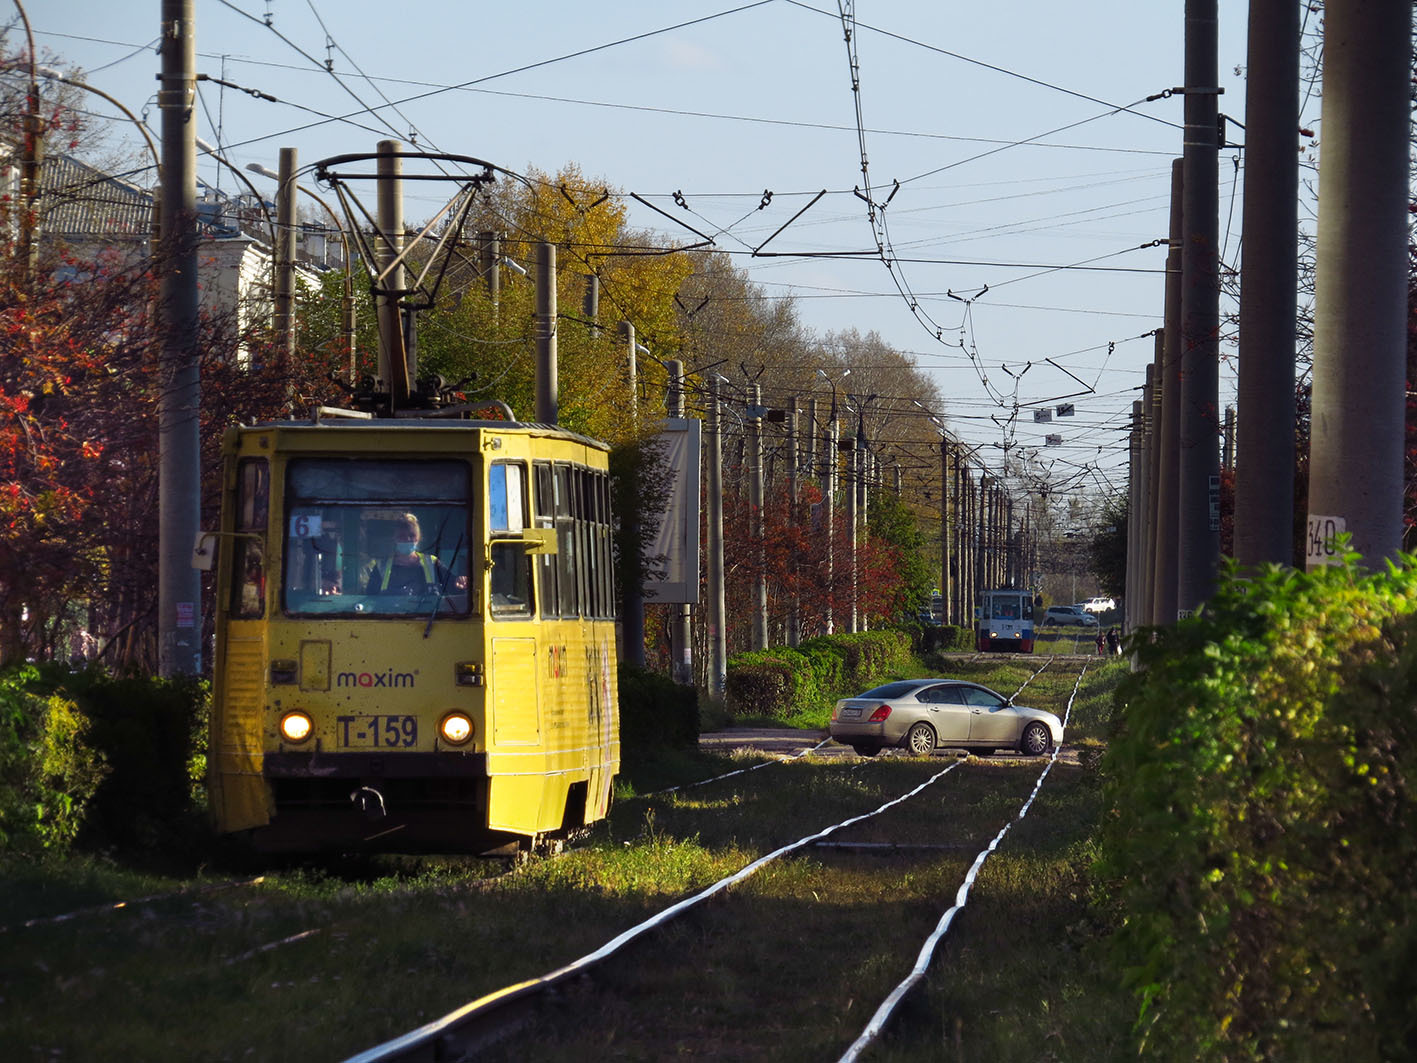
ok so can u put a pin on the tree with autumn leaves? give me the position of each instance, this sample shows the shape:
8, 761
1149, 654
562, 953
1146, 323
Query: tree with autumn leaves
79, 390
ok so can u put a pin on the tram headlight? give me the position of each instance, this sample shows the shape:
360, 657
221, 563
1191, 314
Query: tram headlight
296, 726
456, 728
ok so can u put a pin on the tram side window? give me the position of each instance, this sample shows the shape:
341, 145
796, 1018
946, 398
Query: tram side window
598, 602
580, 509
568, 558
606, 557
546, 599
248, 569
510, 579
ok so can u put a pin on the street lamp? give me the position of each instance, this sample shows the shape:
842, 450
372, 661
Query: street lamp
50, 74
822, 373
347, 307
211, 149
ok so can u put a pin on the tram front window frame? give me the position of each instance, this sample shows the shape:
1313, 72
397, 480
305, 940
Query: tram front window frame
342, 519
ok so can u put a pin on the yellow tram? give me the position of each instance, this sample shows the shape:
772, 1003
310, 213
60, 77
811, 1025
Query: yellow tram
415, 638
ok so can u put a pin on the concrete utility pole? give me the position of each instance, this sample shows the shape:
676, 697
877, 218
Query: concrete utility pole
285, 261
964, 537
811, 434
179, 381
347, 307
853, 477
394, 367
547, 397
1360, 315
31, 157
946, 590
1264, 468
1145, 609
981, 566
1139, 510
829, 513
755, 514
1165, 585
680, 626
717, 636
794, 607
1200, 314
590, 303
1135, 493
489, 259
632, 613
626, 332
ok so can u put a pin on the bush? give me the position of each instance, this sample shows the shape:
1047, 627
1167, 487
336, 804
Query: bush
776, 684
47, 771
152, 733
1261, 839
938, 638
655, 712
783, 683
865, 657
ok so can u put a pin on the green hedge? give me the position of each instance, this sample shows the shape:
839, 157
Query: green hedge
782, 683
1261, 840
151, 734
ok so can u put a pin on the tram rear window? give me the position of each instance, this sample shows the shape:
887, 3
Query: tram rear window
376, 538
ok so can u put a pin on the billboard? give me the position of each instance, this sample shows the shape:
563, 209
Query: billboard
673, 564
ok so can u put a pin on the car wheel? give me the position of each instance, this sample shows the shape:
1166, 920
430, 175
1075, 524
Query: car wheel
1035, 740
866, 751
920, 740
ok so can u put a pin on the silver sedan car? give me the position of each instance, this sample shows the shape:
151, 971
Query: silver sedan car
922, 715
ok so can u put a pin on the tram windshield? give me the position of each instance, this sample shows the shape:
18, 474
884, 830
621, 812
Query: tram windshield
376, 538
1011, 606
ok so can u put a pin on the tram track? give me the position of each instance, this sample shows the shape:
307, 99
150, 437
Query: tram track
492, 1018
423, 947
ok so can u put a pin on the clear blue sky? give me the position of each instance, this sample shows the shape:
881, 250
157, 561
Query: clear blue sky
741, 99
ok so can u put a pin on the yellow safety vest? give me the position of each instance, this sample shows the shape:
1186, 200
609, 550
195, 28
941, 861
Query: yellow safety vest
426, 560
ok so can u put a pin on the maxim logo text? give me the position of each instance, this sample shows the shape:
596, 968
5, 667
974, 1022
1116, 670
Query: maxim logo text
374, 679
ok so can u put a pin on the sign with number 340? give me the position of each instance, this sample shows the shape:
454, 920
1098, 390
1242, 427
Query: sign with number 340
1321, 548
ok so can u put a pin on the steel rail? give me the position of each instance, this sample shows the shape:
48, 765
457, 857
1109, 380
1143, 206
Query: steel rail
488, 1018
927, 951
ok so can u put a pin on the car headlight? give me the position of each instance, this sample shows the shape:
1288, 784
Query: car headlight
456, 728
296, 726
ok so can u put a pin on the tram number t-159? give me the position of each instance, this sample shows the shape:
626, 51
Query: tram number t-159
377, 731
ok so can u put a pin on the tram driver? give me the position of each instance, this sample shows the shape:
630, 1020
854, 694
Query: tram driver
408, 571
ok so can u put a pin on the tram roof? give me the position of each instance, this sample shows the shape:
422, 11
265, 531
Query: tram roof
432, 424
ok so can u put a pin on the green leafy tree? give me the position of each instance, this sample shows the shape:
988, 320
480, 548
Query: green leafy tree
48, 771
910, 572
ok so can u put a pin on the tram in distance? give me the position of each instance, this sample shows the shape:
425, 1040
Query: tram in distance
1005, 623
415, 636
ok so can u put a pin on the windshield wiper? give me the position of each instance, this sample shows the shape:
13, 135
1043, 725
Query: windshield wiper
443, 590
